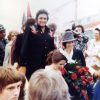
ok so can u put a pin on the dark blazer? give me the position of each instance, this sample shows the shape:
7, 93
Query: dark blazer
78, 55
3, 43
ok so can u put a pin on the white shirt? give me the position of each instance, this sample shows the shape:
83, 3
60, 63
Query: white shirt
67, 55
93, 51
49, 68
7, 57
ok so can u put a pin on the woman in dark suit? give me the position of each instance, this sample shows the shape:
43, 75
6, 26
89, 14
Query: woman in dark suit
72, 55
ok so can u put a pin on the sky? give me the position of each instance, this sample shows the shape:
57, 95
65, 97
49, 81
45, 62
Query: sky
61, 12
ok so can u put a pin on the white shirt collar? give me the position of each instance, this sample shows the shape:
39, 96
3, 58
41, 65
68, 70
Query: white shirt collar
68, 56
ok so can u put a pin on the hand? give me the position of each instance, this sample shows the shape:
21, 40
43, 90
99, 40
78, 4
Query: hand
33, 29
15, 65
22, 69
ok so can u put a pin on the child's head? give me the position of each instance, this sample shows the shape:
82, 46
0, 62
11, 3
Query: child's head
57, 58
11, 84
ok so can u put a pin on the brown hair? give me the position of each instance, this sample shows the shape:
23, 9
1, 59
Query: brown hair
42, 11
12, 33
97, 29
9, 76
52, 27
29, 22
47, 86
55, 56
80, 26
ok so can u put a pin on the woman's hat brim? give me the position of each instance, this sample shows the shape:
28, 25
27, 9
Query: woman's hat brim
69, 40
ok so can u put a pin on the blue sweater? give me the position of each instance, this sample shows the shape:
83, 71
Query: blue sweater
96, 94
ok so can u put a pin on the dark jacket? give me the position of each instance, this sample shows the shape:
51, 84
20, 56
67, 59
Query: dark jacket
81, 43
3, 43
78, 55
33, 54
16, 48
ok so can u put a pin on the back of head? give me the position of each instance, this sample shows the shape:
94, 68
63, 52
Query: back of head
30, 21
55, 57
52, 27
47, 86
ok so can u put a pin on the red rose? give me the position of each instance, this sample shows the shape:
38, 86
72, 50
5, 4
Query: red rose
78, 67
86, 80
83, 92
84, 83
90, 78
63, 71
86, 68
82, 78
73, 76
80, 71
76, 87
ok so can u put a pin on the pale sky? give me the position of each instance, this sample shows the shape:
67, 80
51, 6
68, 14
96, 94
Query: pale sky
60, 11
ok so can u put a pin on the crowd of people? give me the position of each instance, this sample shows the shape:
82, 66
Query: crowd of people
32, 65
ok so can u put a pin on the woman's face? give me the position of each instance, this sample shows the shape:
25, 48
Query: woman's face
13, 36
60, 64
42, 20
2, 35
96, 34
70, 44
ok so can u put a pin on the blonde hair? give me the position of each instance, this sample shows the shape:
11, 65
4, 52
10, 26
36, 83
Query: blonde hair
12, 33
47, 86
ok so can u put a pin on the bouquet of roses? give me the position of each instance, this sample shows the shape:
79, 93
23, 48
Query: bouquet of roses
77, 77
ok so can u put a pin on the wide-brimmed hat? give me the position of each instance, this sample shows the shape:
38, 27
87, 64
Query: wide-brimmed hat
68, 36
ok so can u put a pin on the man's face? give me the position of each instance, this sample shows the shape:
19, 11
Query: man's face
78, 30
11, 91
96, 34
42, 20
2, 35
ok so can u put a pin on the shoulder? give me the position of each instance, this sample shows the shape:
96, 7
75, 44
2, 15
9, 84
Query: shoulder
97, 87
20, 35
92, 41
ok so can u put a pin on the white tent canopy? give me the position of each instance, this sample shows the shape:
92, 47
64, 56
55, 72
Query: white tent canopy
62, 12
